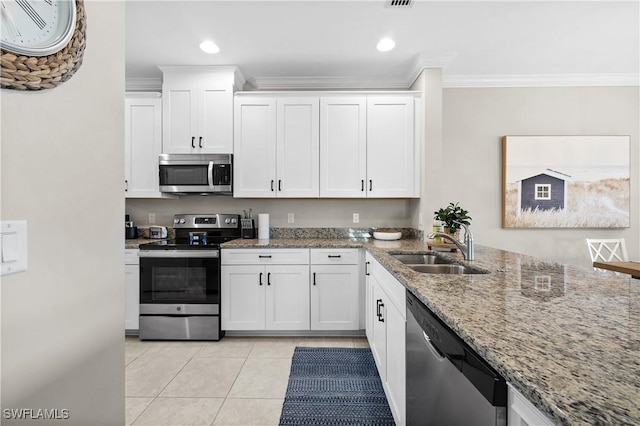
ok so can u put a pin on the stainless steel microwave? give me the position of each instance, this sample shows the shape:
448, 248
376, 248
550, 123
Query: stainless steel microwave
196, 173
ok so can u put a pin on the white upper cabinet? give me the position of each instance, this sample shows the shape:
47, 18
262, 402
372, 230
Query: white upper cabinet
198, 109
143, 143
254, 168
392, 149
298, 153
327, 145
276, 147
343, 147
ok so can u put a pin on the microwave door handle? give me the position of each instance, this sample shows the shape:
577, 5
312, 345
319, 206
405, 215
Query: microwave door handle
210, 174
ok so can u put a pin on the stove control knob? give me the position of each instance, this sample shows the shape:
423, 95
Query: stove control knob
183, 221
176, 221
227, 221
234, 221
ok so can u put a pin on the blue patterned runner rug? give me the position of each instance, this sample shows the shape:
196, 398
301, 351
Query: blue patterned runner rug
335, 387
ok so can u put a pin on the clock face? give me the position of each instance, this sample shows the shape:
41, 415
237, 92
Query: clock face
36, 27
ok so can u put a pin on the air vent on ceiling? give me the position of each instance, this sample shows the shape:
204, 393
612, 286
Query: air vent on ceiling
399, 3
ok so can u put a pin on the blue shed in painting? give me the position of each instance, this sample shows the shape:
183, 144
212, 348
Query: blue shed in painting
544, 191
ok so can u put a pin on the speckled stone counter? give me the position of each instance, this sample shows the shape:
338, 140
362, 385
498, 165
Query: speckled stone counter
568, 338
134, 243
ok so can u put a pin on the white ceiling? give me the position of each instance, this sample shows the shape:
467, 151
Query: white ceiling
321, 44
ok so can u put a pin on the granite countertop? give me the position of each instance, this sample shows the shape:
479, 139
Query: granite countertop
134, 243
566, 337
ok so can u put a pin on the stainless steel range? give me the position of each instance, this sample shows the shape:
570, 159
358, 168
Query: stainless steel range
180, 279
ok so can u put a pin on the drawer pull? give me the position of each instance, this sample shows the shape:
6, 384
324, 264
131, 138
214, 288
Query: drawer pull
335, 256
379, 306
264, 256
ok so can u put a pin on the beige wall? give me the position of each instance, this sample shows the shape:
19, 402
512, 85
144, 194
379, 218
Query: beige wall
474, 120
62, 162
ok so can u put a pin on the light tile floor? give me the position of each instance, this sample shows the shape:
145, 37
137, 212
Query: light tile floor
236, 381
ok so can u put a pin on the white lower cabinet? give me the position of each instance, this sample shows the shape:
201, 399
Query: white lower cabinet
523, 413
386, 328
265, 289
131, 290
334, 289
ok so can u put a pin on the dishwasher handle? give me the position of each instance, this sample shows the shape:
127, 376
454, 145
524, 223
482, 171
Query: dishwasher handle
434, 351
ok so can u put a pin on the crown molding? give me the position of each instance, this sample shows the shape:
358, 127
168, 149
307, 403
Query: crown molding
143, 84
354, 82
539, 80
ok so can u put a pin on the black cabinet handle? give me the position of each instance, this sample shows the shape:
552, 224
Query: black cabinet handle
268, 278
193, 142
126, 185
260, 278
379, 307
264, 256
271, 184
335, 256
362, 185
370, 185
366, 268
279, 184
314, 278
200, 142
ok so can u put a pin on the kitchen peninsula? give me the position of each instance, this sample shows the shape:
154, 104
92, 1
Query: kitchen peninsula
565, 337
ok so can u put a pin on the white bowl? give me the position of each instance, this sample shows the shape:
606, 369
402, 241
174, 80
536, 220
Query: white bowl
382, 235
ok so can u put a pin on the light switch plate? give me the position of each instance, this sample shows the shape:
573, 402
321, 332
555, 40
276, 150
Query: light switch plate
13, 246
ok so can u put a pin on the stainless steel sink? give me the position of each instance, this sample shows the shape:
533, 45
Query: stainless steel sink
420, 259
433, 264
444, 268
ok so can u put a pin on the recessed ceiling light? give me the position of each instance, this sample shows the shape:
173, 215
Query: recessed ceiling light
209, 47
385, 45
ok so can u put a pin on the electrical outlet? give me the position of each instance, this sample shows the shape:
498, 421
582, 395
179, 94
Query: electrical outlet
152, 218
291, 218
356, 218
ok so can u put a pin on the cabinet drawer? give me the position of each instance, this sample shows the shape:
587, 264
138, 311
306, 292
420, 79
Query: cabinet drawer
265, 256
131, 257
334, 256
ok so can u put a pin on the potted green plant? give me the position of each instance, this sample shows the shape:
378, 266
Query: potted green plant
453, 217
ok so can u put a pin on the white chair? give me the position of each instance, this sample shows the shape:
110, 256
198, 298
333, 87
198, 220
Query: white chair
607, 250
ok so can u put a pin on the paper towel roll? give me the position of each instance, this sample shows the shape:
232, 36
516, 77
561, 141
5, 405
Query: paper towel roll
263, 226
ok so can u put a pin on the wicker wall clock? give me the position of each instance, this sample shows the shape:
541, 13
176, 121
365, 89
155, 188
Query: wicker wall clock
42, 42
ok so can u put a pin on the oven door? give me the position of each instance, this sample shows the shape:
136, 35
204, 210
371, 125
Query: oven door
180, 277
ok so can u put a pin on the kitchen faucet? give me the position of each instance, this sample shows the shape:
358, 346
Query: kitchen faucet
467, 249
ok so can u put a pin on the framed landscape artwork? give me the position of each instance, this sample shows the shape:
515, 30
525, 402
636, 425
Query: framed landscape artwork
565, 182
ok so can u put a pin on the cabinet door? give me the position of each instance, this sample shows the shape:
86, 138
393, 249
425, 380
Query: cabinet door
287, 297
254, 147
391, 147
179, 119
215, 120
334, 297
343, 169
131, 297
143, 143
396, 362
379, 328
298, 155
368, 299
243, 297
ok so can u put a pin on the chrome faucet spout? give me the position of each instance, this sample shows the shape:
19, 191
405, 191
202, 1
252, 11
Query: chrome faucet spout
467, 249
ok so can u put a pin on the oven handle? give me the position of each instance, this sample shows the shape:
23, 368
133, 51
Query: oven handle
179, 254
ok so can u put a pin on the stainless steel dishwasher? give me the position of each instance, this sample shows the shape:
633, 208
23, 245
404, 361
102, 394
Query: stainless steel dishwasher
447, 382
